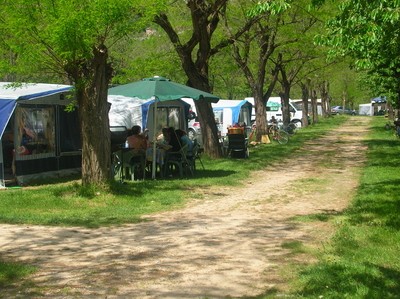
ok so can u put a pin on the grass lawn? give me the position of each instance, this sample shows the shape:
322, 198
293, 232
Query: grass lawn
362, 260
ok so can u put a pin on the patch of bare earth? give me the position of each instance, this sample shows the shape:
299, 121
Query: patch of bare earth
227, 244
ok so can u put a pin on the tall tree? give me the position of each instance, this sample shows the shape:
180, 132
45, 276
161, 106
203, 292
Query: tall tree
276, 49
368, 32
253, 50
195, 46
72, 38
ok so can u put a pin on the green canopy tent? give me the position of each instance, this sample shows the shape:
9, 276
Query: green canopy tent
160, 89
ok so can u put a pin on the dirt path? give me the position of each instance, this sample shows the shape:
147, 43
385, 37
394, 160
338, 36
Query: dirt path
229, 243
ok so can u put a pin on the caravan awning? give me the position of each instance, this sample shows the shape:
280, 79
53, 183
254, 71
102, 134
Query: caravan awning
10, 94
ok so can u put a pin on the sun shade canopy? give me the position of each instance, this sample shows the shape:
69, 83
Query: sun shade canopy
161, 89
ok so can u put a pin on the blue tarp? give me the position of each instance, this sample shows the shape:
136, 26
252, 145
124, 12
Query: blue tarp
6, 110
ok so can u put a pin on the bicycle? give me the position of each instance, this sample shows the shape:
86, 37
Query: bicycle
275, 132
291, 128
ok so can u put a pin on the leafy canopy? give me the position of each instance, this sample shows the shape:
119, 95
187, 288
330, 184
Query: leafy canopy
368, 32
67, 30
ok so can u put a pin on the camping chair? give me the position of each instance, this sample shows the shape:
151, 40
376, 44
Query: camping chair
237, 146
193, 156
177, 160
129, 163
118, 135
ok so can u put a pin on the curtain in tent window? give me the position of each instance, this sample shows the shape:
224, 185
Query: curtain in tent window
168, 117
35, 131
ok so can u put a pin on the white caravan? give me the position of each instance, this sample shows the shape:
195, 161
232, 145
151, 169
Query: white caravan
274, 108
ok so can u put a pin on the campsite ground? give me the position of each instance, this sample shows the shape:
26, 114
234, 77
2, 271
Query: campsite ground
229, 241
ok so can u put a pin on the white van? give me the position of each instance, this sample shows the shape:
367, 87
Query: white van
274, 108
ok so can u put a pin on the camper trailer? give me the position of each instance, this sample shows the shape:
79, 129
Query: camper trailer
228, 113
38, 137
274, 108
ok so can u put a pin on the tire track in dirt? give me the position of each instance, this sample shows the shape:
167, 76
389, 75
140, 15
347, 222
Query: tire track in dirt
229, 243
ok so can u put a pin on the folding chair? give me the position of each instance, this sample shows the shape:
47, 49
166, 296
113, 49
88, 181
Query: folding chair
128, 163
193, 156
177, 160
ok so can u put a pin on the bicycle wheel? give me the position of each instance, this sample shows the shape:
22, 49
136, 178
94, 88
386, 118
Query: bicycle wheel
272, 129
291, 129
282, 137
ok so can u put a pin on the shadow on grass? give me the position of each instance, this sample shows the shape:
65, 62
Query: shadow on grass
356, 281
324, 216
382, 206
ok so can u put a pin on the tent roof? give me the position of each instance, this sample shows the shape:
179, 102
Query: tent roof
11, 93
27, 91
230, 104
162, 89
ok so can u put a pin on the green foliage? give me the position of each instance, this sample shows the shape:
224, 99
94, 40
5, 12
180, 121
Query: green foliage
368, 32
53, 34
273, 7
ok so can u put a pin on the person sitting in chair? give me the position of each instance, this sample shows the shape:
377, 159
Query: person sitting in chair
174, 140
136, 140
185, 140
138, 143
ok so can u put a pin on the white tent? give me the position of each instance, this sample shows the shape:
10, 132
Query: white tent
127, 111
366, 109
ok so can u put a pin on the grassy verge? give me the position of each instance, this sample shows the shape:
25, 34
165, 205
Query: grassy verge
362, 260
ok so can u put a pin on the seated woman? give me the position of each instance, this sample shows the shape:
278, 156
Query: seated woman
138, 143
185, 140
136, 140
163, 139
174, 140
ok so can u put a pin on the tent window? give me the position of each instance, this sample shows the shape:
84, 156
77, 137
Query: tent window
218, 115
168, 117
35, 131
245, 116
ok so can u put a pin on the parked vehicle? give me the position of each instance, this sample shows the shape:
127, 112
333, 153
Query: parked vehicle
274, 109
342, 110
194, 129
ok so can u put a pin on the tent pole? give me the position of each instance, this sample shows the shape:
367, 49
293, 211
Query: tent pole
154, 165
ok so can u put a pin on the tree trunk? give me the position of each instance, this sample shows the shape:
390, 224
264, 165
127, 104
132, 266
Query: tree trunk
261, 115
305, 96
284, 93
314, 106
205, 21
324, 88
93, 114
285, 96
208, 129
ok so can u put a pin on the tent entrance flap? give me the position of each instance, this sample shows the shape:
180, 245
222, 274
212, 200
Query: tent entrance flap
7, 108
